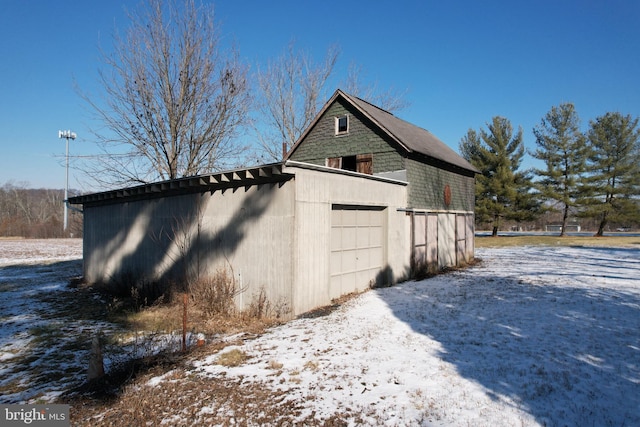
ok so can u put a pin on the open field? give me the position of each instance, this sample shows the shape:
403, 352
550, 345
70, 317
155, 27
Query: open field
532, 335
555, 240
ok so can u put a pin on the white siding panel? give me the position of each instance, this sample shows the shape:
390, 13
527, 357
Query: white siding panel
432, 241
419, 230
446, 240
312, 254
247, 231
461, 239
470, 234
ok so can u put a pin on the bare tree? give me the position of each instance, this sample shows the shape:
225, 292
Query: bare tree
173, 101
390, 100
292, 90
37, 213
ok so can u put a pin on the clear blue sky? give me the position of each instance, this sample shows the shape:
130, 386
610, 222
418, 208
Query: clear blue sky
462, 62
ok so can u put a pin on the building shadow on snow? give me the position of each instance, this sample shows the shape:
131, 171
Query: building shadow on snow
567, 355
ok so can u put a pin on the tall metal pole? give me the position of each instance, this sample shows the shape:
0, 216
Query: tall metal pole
66, 134
66, 188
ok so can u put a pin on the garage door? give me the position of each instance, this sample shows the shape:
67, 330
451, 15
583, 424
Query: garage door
357, 248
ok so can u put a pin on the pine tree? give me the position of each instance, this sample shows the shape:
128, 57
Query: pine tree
502, 191
561, 146
613, 170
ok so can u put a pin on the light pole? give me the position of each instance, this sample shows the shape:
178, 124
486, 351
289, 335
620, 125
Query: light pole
66, 134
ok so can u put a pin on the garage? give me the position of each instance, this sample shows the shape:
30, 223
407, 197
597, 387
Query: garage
334, 217
357, 248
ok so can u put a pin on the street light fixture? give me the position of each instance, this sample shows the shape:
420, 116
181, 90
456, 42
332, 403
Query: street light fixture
66, 134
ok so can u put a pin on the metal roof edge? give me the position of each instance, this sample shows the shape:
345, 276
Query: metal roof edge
326, 169
271, 172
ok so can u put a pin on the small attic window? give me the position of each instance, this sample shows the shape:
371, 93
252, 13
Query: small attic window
342, 124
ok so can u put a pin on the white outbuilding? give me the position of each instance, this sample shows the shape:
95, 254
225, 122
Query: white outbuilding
363, 199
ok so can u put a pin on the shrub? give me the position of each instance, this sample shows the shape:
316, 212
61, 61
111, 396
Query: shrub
214, 295
262, 308
128, 291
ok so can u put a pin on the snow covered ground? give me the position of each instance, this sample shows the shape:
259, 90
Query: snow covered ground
33, 361
38, 251
531, 336
48, 326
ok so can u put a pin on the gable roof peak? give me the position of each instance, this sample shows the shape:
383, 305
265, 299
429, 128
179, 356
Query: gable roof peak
412, 138
357, 99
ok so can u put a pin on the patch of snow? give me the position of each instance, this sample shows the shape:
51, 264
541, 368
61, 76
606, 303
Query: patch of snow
160, 378
38, 251
532, 336
29, 271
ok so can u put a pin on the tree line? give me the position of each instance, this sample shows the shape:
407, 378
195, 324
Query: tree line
174, 102
35, 213
591, 175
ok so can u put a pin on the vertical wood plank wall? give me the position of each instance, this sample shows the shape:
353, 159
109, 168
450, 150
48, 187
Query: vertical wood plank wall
441, 240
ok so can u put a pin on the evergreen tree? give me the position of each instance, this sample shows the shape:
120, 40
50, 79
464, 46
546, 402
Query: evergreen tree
561, 146
613, 170
502, 191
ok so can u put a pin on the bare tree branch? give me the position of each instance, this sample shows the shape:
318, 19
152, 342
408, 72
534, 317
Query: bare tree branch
292, 90
389, 100
173, 102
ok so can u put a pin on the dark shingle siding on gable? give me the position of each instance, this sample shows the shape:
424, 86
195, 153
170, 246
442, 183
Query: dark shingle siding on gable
427, 183
321, 142
395, 145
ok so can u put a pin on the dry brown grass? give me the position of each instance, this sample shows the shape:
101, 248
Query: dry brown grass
532, 240
231, 358
180, 400
210, 308
168, 318
186, 399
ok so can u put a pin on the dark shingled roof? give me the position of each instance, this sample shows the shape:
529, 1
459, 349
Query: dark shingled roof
411, 137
